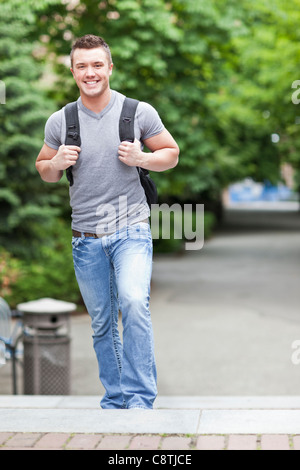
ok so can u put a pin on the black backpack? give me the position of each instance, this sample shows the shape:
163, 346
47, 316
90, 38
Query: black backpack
126, 131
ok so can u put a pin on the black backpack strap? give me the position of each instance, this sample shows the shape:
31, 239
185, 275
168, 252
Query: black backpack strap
126, 123
126, 127
72, 132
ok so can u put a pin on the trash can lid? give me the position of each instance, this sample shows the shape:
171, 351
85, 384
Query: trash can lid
46, 305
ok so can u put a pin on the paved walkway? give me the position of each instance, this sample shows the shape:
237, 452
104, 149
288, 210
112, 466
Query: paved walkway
128, 442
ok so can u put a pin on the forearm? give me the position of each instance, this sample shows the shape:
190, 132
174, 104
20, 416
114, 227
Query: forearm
163, 153
48, 172
51, 163
159, 160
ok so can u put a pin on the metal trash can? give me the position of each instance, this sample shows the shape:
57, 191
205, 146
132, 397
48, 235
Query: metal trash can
46, 342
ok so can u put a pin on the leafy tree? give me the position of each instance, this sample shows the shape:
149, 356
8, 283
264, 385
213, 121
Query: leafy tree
210, 68
169, 54
26, 209
220, 73
255, 102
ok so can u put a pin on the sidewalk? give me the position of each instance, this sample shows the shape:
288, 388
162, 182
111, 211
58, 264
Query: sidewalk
176, 423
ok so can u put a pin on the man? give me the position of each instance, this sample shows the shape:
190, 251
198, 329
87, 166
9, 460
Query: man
112, 244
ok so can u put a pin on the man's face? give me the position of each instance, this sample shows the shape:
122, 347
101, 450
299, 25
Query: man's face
91, 71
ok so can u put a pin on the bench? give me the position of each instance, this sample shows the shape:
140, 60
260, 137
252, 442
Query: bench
10, 334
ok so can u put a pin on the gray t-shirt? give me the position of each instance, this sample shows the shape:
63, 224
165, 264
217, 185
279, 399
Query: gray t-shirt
106, 194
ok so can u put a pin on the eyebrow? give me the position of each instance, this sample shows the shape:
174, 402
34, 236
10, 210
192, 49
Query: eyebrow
84, 63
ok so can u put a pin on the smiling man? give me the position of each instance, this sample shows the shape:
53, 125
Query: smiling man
112, 260
91, 69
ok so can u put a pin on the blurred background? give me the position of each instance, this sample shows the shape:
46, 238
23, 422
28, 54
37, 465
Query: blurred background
223, 76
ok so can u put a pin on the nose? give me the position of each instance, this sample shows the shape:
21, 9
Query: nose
90, 71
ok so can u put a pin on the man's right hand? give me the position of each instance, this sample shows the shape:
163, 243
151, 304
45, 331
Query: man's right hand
51, 163
66, 156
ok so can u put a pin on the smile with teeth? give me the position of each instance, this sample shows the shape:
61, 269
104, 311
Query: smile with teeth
91, 82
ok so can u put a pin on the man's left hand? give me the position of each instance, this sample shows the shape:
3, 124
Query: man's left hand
130, 153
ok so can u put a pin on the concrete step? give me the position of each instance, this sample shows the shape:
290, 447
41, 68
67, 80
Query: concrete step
162, 402
171, 415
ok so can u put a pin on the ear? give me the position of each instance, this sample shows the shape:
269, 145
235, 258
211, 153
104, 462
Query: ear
111, 68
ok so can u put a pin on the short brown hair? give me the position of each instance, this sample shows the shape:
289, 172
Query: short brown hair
89, 41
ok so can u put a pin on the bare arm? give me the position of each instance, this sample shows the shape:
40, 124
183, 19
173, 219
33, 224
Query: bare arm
51, 163
164, 153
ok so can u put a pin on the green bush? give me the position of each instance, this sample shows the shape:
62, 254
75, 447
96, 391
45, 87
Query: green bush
51, 274
176, 242
10, 272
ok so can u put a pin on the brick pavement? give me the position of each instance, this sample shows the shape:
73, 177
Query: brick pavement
77, 441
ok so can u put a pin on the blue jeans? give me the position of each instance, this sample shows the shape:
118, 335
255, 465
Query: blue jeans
114, 273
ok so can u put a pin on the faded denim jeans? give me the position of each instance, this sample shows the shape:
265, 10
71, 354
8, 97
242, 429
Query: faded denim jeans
114, 273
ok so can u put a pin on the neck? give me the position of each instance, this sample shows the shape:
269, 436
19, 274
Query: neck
96, 103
